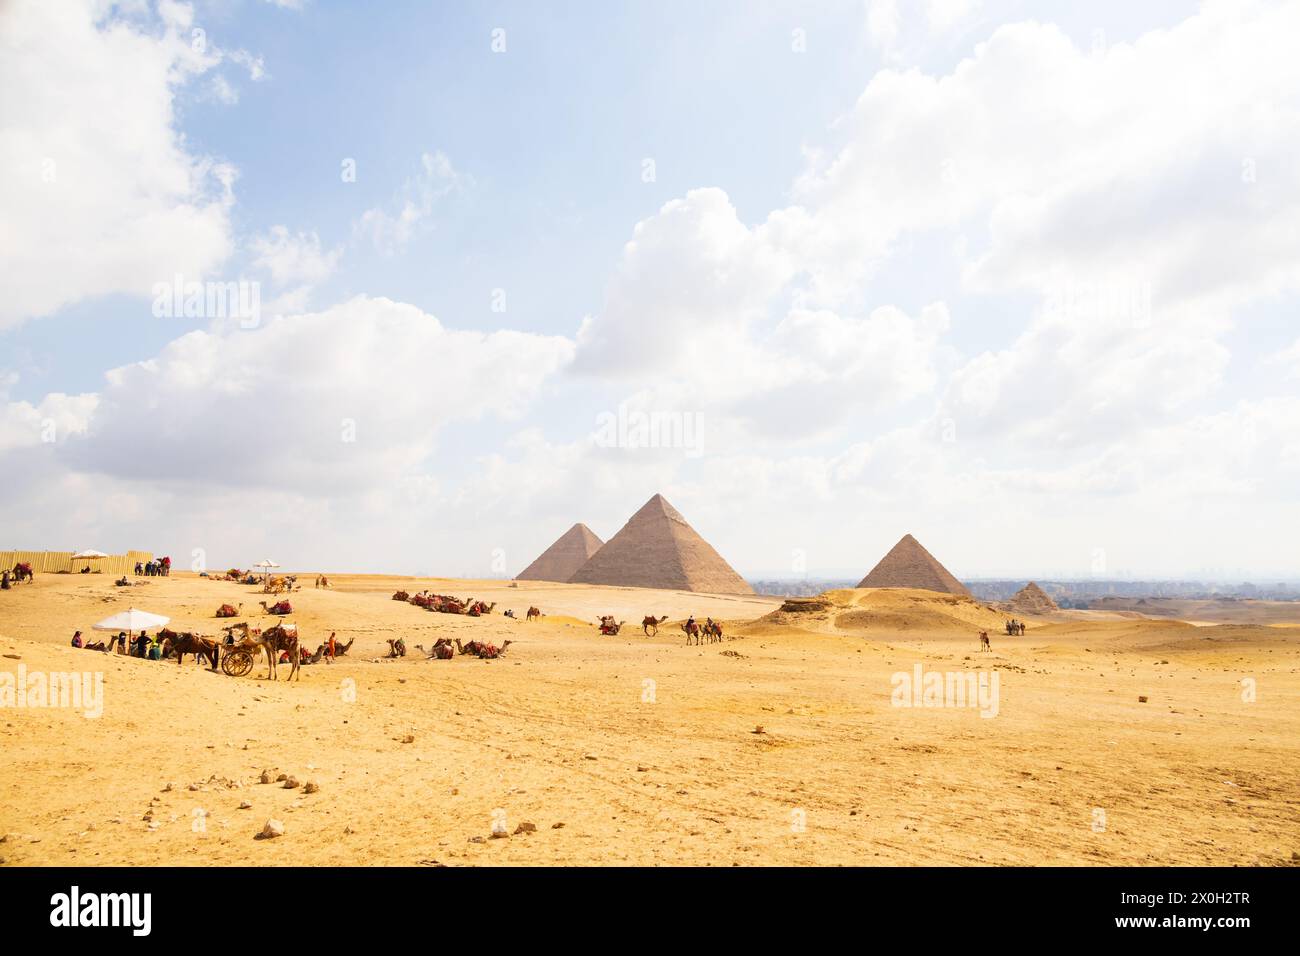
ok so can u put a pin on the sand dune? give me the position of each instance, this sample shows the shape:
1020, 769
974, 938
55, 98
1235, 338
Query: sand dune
645, 749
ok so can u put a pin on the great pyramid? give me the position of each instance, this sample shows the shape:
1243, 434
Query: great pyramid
1031, 599
908, 565
658, 549
569, 552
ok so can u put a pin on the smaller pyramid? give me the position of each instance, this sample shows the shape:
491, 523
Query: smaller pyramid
1031, 599
569, 552
657, 548
908, 565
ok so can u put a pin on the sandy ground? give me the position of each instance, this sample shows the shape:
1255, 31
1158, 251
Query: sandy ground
636, 750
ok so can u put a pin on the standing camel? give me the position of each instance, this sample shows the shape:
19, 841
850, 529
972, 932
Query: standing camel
984, 642
692, 631
650, 624
532, 613
274, 640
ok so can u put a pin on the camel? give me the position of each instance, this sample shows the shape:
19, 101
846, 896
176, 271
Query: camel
984, 642
279, 607
478, 608
442, 649
401, 596
692, 631
396, 647
183, 643
274, 640
650, 624
532, 613
341, 649
23, 572
712, 630
323, 582
489, 652
608, 627
229, 610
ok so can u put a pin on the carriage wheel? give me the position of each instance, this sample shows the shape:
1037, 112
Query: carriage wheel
237, 663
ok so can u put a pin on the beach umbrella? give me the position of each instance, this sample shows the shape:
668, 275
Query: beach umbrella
89, 555
131, 620
266, 564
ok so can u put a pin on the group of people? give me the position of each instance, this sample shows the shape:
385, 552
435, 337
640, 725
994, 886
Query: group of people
157, 568
144, 646
1015, 627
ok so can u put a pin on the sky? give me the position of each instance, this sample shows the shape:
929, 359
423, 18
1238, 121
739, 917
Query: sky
1020, 279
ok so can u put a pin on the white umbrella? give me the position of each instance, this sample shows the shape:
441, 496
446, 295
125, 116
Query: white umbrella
266, 564
89, 555
131, 620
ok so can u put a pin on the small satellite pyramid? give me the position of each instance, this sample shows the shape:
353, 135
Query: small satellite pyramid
908, 565
1032, 599
558, 562
658, 549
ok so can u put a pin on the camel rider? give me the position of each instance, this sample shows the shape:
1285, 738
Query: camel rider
690, 622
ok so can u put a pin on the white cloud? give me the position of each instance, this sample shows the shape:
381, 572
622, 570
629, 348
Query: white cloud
100, 194
293, 258
389, 231
302, 402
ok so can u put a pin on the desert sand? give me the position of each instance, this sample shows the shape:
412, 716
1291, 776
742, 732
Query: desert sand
637, 750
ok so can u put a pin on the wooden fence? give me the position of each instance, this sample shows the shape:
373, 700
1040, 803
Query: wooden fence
55, 562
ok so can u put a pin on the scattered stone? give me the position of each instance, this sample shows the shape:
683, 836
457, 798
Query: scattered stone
195, 786
758, 730
526, 828
642, 769
291, 783
589, 757
557, 826
271, 830
1142, 699
266, 777
169, 788
500, 834
477, 839
311, 787
409, 739
14, 657
245, 805
283, 776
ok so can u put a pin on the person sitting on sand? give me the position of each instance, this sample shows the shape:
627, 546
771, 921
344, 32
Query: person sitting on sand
76, 639
155, 649
142, 646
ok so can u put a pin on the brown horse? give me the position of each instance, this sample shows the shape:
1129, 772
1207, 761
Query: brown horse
182, 643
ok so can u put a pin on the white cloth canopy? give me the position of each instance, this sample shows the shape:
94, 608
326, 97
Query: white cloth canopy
131, 620
266, 563
88, 555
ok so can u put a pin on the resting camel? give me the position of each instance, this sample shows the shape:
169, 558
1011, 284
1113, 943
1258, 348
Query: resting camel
441, 649
396, 647
650, 624
274, 640
692, 631
532, 613
186, 642
279, 607
23, 572
401, 596
229, 610
984, 642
